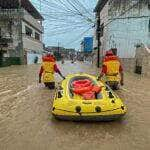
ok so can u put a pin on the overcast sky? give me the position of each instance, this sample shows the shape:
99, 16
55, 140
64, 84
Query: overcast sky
63, 27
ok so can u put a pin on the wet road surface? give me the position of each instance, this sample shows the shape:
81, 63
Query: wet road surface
26, 122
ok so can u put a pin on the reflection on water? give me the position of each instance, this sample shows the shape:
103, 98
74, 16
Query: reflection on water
26, 121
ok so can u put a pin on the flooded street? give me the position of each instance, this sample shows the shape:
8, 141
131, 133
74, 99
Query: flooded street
26, 122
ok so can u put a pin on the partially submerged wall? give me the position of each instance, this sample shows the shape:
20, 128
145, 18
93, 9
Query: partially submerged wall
128, 64
140, 64
143, 60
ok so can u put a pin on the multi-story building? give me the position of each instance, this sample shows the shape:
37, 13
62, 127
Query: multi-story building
20, 32
123, 24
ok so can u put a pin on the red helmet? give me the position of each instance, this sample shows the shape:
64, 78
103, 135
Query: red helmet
48, 54
49, 57
109, 53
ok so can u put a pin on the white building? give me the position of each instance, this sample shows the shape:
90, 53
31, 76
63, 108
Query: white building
124, 24
20, 32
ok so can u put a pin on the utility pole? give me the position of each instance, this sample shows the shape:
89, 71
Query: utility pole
58, 48
22, 61
98, 39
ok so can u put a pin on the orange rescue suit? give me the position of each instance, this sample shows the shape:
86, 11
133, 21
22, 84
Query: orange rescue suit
48, 69
112, 68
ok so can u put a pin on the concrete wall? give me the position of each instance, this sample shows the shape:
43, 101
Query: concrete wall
146, 66
95, 38
143, 59
31, 58
11, 32
128, 64
33, 48
125, 34
104, 20
30, 43
24, 24
34, 22
127, 30
20, 40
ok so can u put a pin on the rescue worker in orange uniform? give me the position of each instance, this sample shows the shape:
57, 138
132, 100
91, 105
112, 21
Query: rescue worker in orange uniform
47, 70
112, 70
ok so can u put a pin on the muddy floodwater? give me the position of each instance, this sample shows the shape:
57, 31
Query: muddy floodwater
26, 122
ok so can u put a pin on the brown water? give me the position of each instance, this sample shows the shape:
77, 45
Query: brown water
26, 122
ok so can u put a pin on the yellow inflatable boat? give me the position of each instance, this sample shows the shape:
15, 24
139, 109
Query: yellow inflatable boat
105, 106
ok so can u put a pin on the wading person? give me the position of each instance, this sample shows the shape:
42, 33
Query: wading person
112, 70
47, 70
62, 58
36, 60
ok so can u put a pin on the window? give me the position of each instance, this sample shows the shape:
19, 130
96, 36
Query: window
37, 36
28, 31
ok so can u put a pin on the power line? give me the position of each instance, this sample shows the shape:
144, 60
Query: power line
80, 4
79, 37
76, 12
66, 16
61, 2
80, 13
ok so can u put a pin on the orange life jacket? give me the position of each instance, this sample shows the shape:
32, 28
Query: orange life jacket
48, 69
113, 64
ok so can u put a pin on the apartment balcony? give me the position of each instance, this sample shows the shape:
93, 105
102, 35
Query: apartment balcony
33, 22
30, 43
24, 15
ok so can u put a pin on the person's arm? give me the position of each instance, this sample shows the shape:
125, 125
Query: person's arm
121, 75
40, 74
103, 72
58, 71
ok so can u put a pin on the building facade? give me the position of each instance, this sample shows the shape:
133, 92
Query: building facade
142, 61
20, 33
60, 51
123, 25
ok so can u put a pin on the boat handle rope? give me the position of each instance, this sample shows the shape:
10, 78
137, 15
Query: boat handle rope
84, 112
